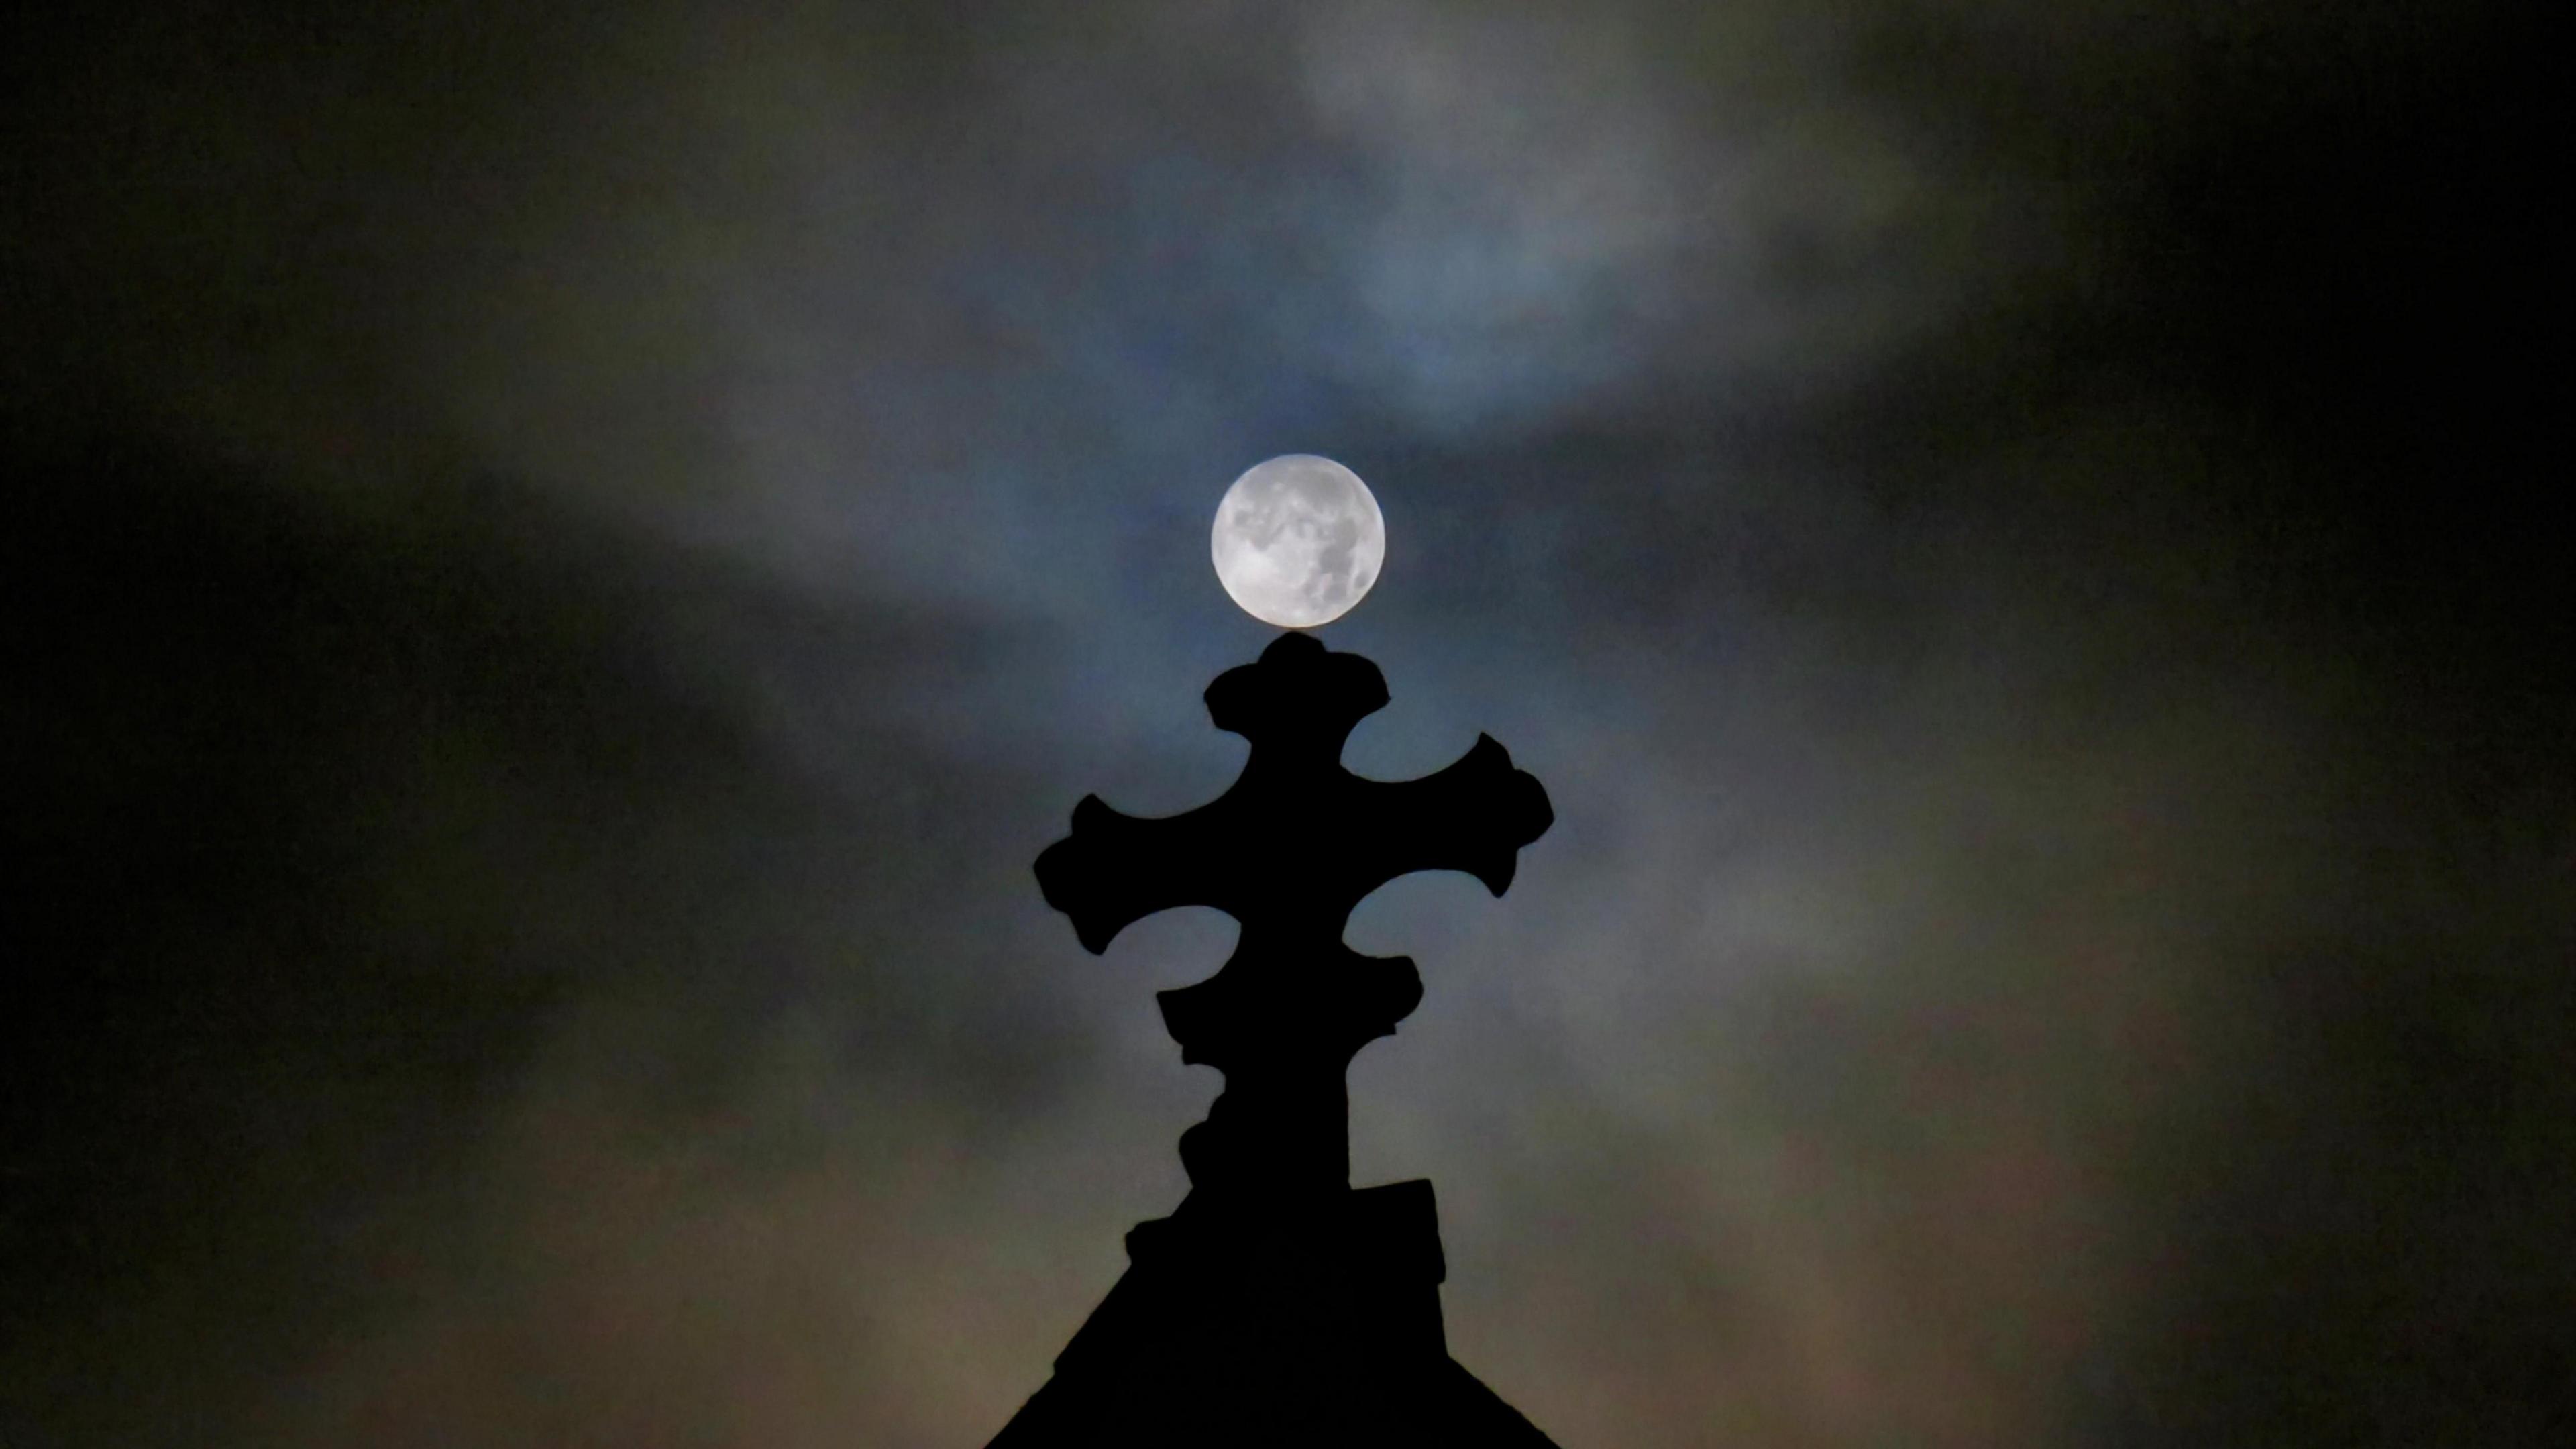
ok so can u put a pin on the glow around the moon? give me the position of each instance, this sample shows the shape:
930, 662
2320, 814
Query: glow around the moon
1298, 541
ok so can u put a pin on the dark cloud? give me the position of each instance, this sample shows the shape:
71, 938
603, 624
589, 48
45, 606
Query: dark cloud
563, 565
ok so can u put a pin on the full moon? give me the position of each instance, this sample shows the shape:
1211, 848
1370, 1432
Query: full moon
1298, 541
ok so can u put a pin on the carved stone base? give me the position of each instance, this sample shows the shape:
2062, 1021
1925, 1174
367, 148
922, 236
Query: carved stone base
1317, 1328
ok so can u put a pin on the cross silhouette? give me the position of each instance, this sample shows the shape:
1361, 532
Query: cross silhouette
1289, 850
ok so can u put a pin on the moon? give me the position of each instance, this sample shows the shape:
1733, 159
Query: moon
1298, 541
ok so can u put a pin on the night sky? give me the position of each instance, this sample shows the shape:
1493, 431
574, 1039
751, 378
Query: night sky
562, 562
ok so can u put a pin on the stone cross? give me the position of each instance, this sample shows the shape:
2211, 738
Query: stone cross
1289, 850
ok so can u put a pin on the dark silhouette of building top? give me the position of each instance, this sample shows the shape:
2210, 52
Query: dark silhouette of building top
1276, 1305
